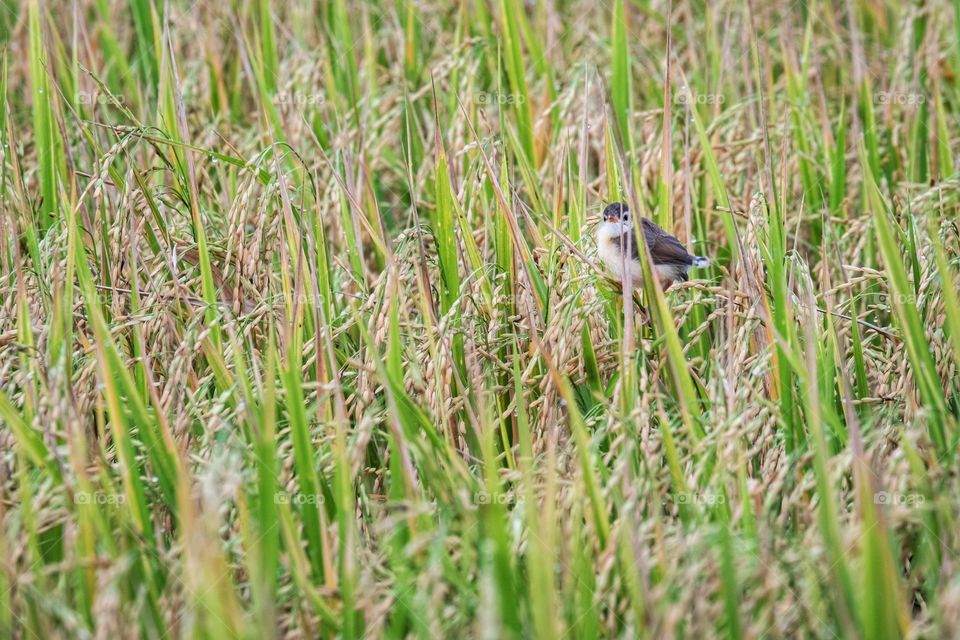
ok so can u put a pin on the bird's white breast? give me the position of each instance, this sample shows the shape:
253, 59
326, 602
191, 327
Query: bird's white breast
608, 250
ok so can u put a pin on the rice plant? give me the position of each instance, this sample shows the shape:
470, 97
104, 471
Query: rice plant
303, 330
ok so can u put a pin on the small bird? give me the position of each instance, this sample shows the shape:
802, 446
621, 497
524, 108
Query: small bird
616, 234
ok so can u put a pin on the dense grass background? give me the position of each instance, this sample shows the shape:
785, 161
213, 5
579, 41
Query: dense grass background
301, 332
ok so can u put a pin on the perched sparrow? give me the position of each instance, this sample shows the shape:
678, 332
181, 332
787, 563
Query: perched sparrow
616, 235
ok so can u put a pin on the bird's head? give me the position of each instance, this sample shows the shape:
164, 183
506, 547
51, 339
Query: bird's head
617, 212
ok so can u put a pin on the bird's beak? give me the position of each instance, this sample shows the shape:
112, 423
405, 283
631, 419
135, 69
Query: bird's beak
610, 218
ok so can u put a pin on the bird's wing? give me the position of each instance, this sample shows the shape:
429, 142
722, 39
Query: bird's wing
663, 247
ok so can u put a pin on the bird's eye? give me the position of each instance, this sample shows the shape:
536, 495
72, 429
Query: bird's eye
626, 217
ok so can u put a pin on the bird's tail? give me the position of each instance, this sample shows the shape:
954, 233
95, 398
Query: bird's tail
699, 262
